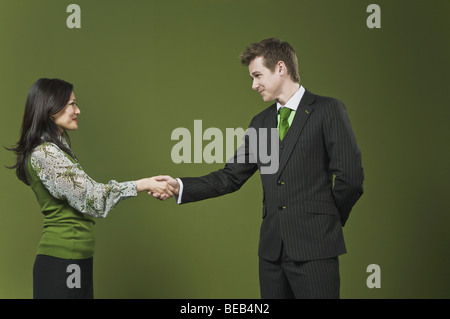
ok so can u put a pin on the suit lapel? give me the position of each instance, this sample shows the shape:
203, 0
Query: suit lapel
302, 114
271, 118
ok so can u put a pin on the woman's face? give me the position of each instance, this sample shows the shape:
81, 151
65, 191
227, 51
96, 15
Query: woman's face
67, 118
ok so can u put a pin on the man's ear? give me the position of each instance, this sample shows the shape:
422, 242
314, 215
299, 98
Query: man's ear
281, 68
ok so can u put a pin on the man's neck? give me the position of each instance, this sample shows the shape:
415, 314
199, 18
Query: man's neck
288, 91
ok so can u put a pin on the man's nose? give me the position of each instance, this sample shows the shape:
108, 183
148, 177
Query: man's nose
255, 85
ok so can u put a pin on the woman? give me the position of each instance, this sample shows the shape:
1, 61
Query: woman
69, 199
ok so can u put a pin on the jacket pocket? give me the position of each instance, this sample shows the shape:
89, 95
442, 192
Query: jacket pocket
320, 207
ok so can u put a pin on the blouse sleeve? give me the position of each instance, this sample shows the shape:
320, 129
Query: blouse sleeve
67, 181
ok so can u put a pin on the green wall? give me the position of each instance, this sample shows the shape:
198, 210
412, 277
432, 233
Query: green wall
143, 68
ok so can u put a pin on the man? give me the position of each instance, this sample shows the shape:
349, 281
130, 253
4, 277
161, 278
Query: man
304, 210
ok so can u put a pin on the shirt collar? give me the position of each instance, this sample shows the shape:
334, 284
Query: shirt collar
294, 101
60, 137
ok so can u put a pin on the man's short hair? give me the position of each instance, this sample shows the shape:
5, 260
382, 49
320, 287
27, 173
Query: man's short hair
273, 50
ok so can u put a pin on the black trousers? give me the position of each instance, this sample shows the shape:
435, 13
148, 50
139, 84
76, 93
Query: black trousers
288, 279
56, 278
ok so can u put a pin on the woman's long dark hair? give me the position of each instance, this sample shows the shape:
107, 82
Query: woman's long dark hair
45, 98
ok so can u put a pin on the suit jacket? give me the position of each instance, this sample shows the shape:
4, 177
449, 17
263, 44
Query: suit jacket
303, 207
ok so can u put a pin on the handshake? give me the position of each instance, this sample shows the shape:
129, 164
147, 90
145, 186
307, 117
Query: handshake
161, 187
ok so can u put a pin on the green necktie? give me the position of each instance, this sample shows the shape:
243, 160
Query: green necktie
284, 123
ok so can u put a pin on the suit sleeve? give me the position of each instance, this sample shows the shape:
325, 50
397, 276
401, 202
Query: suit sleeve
229, 179
345, 158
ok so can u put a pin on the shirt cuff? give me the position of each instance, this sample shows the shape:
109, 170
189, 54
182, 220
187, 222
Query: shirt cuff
180, 192
128, 189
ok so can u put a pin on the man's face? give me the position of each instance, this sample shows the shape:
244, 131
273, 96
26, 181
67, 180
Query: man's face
266, 82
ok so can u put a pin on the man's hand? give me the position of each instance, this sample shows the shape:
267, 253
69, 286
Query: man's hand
161, 187
172, 182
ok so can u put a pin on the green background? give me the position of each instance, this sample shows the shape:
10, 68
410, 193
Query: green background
143, 68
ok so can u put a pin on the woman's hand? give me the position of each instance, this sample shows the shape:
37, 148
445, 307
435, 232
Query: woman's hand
171, 181
160, 187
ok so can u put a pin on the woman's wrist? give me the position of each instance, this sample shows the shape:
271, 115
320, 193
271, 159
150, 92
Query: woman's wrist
141, 185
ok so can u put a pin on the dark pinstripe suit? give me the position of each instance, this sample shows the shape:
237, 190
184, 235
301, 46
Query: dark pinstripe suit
302, 211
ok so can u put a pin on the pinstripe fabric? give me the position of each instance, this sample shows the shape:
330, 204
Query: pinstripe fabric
300, 206
288, 279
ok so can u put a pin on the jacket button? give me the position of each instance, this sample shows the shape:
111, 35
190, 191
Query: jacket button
281, 207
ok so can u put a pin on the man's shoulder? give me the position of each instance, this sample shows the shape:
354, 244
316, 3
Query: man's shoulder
326, 102
264, 113
328, 107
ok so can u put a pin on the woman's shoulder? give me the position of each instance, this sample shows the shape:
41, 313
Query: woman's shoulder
50, 152
46, 148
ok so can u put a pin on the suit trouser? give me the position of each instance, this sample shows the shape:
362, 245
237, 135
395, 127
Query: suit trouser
288, 279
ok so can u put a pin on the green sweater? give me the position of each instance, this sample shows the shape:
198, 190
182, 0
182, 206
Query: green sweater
70, 200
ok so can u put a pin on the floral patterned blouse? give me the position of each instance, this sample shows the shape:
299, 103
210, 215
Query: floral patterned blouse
66, 180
